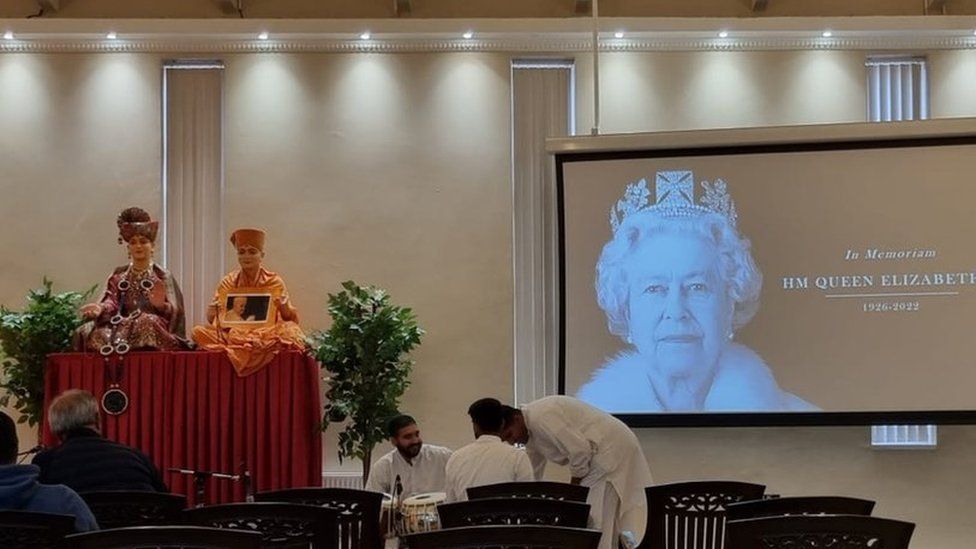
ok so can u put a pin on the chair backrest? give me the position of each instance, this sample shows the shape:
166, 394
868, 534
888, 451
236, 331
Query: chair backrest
513, 511
359, 512
819, 531
806, 505
281, 525
122, 508
691, 515
538, 490
23, 530
183, 537
509, 537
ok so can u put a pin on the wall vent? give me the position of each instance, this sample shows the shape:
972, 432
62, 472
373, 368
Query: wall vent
904, 436
342, 479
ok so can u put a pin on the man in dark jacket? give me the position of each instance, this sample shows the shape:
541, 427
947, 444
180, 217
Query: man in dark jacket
20, 491
86, 461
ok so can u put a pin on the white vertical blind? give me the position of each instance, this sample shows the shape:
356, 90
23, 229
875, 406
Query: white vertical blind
193, 174
898, 90
542, 106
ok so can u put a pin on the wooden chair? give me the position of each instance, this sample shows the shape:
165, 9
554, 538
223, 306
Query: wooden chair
819, 531
281, 525
513, 511
171, 537
691, 515
121, 508
807, 505
359, 512
27, 530
509, 537
538, 490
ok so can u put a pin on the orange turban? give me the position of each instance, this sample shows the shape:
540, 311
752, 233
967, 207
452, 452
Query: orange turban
248, 237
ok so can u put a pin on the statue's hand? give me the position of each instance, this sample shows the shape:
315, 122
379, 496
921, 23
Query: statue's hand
158, 301
90, 311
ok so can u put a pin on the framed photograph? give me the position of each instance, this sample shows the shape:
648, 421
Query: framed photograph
247, 308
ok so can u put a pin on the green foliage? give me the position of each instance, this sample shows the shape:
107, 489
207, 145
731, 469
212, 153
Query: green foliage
364, 351
26, 338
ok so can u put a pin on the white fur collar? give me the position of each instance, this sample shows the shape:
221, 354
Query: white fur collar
743, 383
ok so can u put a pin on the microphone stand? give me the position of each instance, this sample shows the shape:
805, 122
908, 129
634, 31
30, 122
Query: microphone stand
248, 484
397, 515
200, 479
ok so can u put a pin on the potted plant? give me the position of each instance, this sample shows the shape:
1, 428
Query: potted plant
26, 338
364, 352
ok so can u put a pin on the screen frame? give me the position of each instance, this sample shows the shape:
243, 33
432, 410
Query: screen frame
834, 137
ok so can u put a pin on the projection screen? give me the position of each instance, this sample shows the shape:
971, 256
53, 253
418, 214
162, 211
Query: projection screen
815, 275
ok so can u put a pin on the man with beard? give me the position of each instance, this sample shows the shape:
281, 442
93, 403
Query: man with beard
420, 466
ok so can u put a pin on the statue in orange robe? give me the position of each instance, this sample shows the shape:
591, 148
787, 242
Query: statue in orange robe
250, 348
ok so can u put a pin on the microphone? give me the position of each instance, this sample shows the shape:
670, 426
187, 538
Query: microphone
34, 450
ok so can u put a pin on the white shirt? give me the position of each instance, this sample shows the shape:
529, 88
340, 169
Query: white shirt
487, 460
424, 474
597, 448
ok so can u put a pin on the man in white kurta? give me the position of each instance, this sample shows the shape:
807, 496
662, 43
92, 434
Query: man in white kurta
601, 452
487, 460
420, 466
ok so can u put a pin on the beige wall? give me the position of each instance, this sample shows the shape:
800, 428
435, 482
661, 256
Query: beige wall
79, 139
395, 170
391, 170
696, 90
673, 91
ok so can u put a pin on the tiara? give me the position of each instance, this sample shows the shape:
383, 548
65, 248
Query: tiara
675, 197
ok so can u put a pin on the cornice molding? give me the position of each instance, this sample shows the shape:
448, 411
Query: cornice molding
518, 36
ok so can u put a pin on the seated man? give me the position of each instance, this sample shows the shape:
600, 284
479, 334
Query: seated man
487, 460
20, 491
420, 466
87, 462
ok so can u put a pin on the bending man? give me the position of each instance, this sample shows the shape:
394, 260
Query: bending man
601, 452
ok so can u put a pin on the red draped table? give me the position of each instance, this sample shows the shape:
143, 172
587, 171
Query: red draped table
190, 410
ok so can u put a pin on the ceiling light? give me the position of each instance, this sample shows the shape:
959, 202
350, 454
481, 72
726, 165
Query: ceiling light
468, 35
9, 35
111, 35
618, 34
723, 34
827, 34
263, 35
364, 36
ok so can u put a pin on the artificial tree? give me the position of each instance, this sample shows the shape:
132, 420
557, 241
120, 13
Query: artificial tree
45, 326
365, 353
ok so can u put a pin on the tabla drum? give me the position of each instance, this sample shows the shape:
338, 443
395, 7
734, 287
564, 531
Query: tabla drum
420, 512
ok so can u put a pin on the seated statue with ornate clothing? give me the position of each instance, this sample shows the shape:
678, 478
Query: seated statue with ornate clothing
250, 318
142, 307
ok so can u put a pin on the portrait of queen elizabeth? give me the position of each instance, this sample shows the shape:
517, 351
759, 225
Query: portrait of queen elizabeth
676, 282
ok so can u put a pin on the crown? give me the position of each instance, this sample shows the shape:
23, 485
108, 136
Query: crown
675, 197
